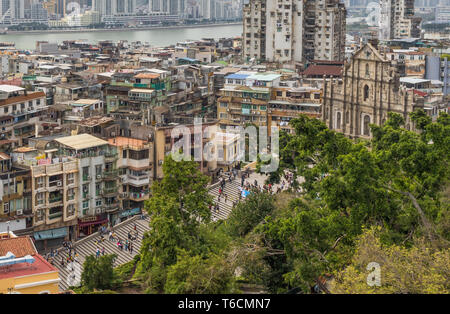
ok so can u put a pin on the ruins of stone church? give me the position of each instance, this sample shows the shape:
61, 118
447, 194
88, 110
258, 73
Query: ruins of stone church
368, 90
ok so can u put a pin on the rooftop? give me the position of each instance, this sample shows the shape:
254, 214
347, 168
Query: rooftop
81, 141
19, 246
10, 88
127, 141
39, 266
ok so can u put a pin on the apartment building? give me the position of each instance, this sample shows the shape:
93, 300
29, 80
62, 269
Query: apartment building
15, 197
288, 102
20, 110
135, 165
54, 194
289, 31
397, 20
97, 180
163, 143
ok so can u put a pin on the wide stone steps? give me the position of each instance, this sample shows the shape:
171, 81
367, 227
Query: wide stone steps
225, 207
70, 274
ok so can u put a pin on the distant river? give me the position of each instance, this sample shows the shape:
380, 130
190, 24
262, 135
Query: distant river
155, 37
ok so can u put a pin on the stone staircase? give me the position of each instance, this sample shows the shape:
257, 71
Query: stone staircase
225, 207
70, 274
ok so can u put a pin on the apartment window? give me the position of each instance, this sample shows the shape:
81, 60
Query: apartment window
70, 194
85, 204
98, 170
40, 182
71, 210
98, 202
223, 105
124, 154
6, 208
5, 110
40, 198
70, 178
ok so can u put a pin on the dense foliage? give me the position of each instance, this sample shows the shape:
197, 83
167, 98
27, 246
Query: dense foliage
98, 273
396, 183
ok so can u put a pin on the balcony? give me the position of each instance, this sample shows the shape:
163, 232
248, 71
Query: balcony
109, 191
55, 215
111, 207
110, 174
86, 177
139, 196
55, 199
138, 180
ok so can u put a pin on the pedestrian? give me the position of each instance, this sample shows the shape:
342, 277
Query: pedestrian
131, 248
103, 250
97, 254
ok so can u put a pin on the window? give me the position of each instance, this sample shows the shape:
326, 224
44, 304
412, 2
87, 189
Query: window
367, 70
85, 204
124, 154
40, 198
366, 128
70, 178
6, 208
366, 92
70, 210
98, 202
98, 170
338, 120
40, 182
70, 194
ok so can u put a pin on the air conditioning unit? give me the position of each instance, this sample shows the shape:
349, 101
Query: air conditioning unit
99, 176
89, 177
19, 212
59, 183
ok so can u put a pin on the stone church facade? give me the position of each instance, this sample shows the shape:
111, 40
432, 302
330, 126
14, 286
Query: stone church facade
369, 89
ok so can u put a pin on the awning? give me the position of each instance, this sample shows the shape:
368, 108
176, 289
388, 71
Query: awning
50, 234
130, 212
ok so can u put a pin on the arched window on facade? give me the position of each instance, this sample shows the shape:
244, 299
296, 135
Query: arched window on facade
347, 117
367, 70
366, 128
366, 92
338, 120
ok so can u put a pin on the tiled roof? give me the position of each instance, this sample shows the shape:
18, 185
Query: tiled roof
22, 98
323, 70
19, 246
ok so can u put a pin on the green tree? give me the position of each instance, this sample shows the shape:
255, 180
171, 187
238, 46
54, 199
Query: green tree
247, 215
178, 206
418, 269
98, 273
195, 275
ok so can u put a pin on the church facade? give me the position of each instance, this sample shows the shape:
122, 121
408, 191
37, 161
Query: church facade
368, 90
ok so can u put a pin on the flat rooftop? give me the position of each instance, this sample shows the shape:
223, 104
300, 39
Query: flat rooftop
81, 141
10, 88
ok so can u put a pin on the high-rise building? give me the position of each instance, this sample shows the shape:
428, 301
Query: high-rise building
173, 7
112, 7
397, 20
294, 31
